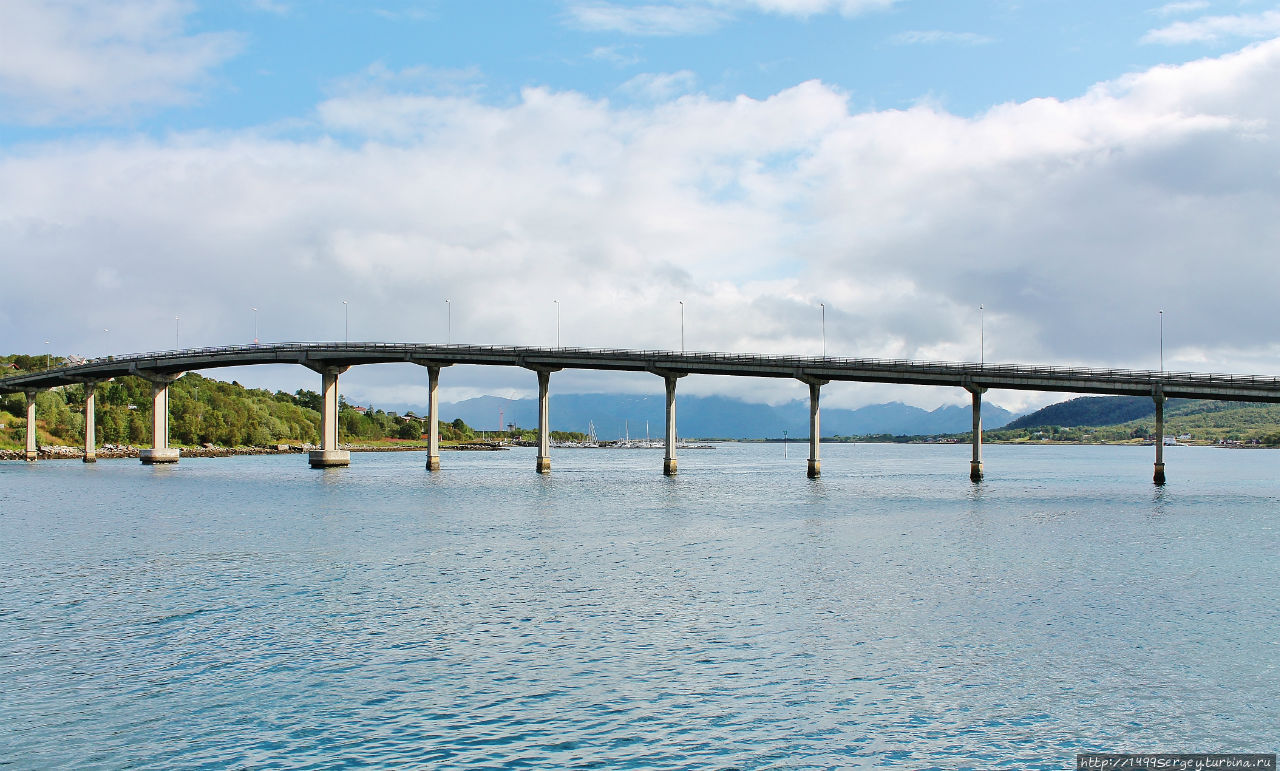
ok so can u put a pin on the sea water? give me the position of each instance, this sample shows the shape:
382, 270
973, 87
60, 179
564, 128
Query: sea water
253, 612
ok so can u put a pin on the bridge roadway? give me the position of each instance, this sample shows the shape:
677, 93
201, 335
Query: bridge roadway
331, 359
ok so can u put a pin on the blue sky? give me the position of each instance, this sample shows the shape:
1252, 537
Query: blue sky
280, 58
1073, 166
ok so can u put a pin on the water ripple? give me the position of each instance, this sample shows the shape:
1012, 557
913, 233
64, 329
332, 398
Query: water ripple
253, 613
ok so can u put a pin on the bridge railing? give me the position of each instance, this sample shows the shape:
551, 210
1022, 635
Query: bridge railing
971, 369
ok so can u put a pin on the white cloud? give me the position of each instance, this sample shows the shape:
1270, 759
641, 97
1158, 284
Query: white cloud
1184, 6
935, 36
67, 60
1072, 221
806, 7
681, 19
692, 17
661, 86
618, 56
1213, 29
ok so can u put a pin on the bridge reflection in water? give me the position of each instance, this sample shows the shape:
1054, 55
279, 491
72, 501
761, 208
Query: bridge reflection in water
332, 359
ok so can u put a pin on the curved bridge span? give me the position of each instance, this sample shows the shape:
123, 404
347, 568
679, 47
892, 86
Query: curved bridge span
331, 359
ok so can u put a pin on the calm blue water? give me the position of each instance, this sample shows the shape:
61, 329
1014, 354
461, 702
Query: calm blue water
254, 612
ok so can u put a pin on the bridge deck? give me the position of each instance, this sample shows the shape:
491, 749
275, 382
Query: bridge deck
1006, 376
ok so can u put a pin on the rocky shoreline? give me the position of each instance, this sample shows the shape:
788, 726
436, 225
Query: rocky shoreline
111, 451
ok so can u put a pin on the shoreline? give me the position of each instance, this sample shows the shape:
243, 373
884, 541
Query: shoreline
115, 452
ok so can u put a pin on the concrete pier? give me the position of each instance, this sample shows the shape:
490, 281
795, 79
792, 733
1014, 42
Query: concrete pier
815, 429
975, 465
669, 465
329, 455
1157, 395
544, 424
90, 432
160, 451
433, 419
33, 448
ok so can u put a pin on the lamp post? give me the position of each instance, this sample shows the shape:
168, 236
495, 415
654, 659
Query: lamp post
557, 302
1162, 340
46, 354
982, 341
106, 340
255, 325
784, 444
176, 343
448, 320
682, 326
823, 306
346, 322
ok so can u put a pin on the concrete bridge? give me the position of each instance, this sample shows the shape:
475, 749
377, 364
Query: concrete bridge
329, 360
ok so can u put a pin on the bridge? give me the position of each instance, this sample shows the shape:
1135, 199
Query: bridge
329, 360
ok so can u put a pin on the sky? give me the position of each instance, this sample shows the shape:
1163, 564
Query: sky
1007, 180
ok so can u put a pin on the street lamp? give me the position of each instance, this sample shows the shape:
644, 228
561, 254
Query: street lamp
176, 344
557, 302
784, 444
682, 326
448, 313
982, 341
255, 325
346, 322
823, 306
46, 354
1162, 340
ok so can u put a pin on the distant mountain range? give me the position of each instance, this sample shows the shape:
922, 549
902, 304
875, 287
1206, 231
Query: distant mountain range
615, 415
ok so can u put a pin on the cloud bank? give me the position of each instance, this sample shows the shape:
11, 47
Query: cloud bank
1072, 221
74, 60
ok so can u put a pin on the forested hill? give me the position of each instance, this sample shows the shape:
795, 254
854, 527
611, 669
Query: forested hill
1089, 411
201, 410
1132, 418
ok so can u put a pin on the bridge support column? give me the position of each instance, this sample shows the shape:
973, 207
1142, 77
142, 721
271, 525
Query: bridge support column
433, 419
1157, 395
329, 455
975, 465
544, 424
160, 451
669, 465
815, 430
90, 433
33, 449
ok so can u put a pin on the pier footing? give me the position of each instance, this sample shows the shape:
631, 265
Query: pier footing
329, 458
154, 456
544, 464
669, 466
815, 468
975, 471
1158, 476
433, 463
